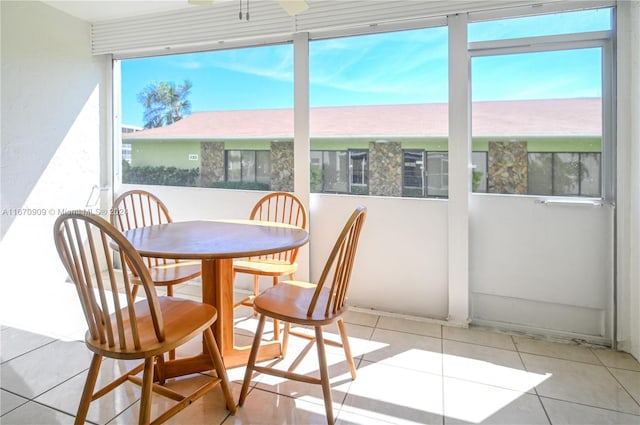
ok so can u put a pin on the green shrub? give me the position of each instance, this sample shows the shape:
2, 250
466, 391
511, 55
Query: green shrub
160, 175
241, 185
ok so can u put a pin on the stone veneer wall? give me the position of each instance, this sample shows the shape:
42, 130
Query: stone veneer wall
211, 163
507, 167
385, 168
282, 166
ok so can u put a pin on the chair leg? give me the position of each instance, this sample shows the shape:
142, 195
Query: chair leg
221, 371
276, 323
347, 347
256, 290
324, 375
285, 339
172, 353
252, 359
145, 396
87, 392
134, 291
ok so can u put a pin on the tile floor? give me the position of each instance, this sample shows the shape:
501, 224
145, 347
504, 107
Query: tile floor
409, 372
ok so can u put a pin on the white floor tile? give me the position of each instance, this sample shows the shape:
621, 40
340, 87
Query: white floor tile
580, 383
9, 401
14, 342
562, 412
66, 396
487, 365
396, 395
410, 326
40, 370
479, 336
630, 380
35, 414
267, 408
617, 359
560, 350
422, 353
472, 403
409, 372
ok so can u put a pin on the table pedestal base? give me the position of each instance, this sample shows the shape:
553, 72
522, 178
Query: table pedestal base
238, 356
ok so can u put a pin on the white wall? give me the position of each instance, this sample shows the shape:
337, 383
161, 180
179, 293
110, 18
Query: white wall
53, 107
544, 269
401, 265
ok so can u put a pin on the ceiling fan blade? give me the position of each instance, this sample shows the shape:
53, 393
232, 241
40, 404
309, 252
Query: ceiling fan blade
294, 7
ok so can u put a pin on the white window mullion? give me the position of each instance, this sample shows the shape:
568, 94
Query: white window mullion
301, 139
459, 169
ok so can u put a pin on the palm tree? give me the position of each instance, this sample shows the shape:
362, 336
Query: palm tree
165, 103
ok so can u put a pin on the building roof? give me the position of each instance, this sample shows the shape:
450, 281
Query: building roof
568, 117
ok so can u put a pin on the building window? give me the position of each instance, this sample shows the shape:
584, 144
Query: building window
126, 152
413, 174
564, 174
358, 167
340, 172
437, 174
251, 168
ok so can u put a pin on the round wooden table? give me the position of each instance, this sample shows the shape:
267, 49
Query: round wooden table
216, 244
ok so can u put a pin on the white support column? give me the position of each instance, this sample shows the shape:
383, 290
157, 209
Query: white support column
459, 170
301, 140
628, 174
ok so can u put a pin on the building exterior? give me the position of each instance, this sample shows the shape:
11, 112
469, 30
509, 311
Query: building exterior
390, 150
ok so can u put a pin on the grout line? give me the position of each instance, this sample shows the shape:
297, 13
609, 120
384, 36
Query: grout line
30, 351
444, 416
535, 387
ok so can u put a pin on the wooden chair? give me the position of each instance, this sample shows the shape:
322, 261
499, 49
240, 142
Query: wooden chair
121, 328
308, 304
138, 208
278, 207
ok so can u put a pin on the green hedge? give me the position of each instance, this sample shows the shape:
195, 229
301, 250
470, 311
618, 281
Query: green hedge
161, 175
241, 185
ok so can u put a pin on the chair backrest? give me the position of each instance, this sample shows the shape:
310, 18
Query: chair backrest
86, 245
281, 207
339, 265
139, 208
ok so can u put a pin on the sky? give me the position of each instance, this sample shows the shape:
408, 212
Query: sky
390, 68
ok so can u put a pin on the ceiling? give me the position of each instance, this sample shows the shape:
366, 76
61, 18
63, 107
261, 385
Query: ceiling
104, 10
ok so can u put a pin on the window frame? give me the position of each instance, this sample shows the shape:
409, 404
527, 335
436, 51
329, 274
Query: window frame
595, 39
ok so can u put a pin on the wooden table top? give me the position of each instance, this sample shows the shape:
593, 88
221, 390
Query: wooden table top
209, 239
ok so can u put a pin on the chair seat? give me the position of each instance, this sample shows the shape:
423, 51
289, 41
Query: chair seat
183, 321
290, 300
265, 267
173, 273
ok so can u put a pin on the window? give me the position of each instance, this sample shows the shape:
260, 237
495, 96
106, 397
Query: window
340, 171
358, 168
126, 152
542, 25
413, 174
437, 174
378, 103
220, 137
252, 168
537, 109
564, 174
